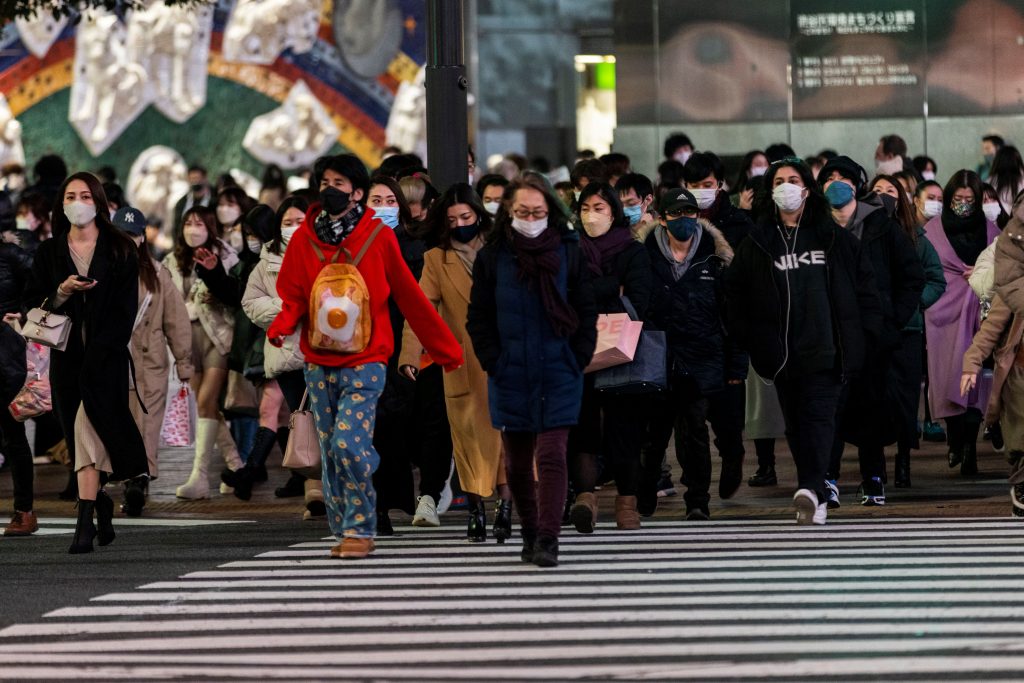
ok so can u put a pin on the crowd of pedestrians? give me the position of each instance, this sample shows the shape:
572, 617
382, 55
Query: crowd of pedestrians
454, 333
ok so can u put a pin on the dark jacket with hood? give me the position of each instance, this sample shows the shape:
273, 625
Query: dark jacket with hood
756, 303
15, 268
535, 376
691, 312
94, 373
899, 275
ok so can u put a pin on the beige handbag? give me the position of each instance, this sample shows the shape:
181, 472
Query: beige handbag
302, 453
47, 328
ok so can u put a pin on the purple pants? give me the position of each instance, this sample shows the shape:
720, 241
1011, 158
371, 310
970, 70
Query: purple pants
540, 504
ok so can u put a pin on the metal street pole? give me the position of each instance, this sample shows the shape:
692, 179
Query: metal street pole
446, 84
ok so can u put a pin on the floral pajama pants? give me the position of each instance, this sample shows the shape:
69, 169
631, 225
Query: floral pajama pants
344, 404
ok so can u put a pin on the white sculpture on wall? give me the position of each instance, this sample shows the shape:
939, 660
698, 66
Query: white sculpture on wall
41, 32
407, 123
294, 134
368, 34
260, 30
157, 180
11, 150
108, 90
159, 56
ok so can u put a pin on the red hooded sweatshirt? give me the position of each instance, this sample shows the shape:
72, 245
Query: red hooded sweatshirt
386, 275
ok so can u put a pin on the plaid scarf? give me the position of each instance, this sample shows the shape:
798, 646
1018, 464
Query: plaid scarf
335, 232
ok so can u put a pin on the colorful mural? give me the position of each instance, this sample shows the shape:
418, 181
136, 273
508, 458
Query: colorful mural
106, 90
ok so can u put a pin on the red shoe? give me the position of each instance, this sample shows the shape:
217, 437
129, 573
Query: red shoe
22, 524
352, 548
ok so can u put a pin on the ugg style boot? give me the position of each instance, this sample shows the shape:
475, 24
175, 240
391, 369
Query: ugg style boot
315, 506
198, 485
626, 516
584, 513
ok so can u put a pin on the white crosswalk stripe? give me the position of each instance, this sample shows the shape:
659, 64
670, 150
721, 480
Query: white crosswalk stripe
862, 599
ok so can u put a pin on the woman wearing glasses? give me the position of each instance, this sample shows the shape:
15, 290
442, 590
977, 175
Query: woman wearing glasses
533, 323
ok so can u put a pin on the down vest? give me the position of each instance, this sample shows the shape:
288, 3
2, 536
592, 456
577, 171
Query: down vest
536, 377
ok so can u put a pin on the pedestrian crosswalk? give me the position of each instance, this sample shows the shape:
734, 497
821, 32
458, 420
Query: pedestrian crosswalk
878, 599
65, 526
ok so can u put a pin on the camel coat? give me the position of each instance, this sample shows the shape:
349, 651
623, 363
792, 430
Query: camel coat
162, 321
477, 444
1001, 334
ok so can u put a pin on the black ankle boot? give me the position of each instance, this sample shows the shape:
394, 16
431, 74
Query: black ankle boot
384, 526
765, 476
529, 542
545, 552
135, 496
240, 480
477, 530
503, 521
956, 456
969, 466
70, 491
293, 488
85, 530
902, 470
243, 479
104, 518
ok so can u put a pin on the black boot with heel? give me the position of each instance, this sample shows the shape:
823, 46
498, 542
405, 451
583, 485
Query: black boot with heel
104, 518
503, 521
85, 530
476, 532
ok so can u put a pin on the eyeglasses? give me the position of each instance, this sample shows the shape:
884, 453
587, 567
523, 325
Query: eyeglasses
680, 212
523, 214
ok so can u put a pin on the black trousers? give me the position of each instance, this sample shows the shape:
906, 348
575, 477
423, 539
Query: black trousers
683, 412
16, 449
610, 432
809, 406
728, 416
293, 385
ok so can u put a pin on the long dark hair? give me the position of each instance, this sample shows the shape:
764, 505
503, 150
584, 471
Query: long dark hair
503, 221
183, 254
291, 202
1008, 171
238, 196
816, 209
437, 219
404, 215
962, 179
987, 191
904, 213
608, 194
121, 245
743, 177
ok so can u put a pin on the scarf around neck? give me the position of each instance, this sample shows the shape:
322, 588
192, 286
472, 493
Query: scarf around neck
540, 259
335, 232
467, 251
602, 251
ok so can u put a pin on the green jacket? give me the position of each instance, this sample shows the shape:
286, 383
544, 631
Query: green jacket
934, 280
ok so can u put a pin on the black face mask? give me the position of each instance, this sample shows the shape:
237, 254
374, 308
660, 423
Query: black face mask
334, 200
198, 188
889, 203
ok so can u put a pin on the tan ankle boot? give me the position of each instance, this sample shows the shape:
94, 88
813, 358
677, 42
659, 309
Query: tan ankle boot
626, 516
584, 513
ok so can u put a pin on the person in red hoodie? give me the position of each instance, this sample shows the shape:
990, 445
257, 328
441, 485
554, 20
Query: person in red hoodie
344, 387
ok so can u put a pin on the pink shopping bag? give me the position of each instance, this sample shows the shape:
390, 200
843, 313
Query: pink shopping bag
617, 337
179, 427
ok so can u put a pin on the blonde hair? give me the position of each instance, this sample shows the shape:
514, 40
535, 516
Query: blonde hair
414, 188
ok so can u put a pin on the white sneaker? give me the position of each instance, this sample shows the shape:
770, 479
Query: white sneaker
226, 490
806, 503
821, 514
446, 493
426, 513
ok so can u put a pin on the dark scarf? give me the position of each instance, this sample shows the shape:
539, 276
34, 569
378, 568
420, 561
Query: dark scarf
968, 236
540, 259
601, 252
711, 214
334, 232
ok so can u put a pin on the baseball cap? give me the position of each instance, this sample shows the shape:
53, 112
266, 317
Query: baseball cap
130, 220
675, 200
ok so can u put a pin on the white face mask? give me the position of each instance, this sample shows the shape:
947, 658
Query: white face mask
80, 213
597, 224
195, 236
705, 197
253, 244
932, 208
992, 210
758, 170
492, 207
890, 167
228, 215
928, 175
286, 234
530, 228
788, 197
21, 222
235, 240
682, 156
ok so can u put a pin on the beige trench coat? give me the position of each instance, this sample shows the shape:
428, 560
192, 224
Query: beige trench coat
163, 323
447, 284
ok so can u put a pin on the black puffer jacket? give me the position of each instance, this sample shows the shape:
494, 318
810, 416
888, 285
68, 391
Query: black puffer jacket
690, 311
899, 275
246, 354
15, 270
631, 273
754, 310
733, 222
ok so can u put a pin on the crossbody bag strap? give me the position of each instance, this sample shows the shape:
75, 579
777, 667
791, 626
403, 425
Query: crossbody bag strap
367, 243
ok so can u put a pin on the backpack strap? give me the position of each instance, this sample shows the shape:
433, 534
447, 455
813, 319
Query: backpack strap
367, 243
320, 254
